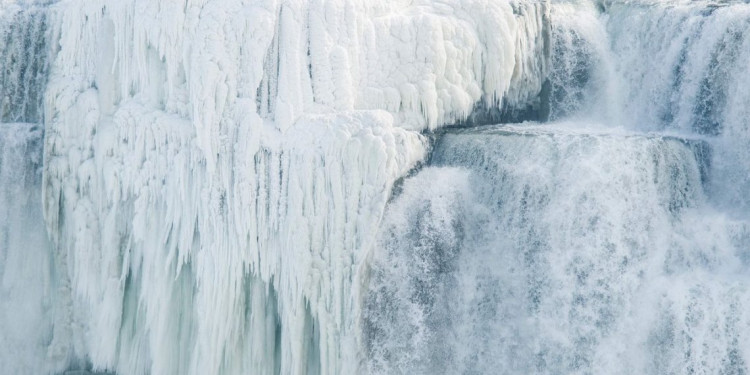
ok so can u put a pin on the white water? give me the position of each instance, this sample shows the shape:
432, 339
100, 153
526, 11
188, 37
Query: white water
23, 54
218, 177
677, 67
579, 248
26, 284
545, 249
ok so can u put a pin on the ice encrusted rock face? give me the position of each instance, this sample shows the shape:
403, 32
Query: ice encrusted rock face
215, 171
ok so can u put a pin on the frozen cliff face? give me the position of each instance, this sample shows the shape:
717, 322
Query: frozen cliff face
215, 171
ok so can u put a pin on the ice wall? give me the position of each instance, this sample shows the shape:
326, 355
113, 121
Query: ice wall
556, 249
215, 171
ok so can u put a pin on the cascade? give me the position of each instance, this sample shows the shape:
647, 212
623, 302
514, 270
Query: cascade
26, 285
578, 247
547, 249
701, 85
28, 288
375, 187
23, 50
605, 68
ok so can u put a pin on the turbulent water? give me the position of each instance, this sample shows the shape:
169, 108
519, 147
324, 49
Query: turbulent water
25, 256
376, 187
23, 50
541, 249
616, 241
27, 285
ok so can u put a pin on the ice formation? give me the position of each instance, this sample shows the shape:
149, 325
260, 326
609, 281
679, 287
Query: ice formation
215, 171
260, 187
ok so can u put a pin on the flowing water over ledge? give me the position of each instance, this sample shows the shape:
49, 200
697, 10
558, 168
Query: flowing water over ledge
23, 60
28, 279
529, 248
551, 248
26, 285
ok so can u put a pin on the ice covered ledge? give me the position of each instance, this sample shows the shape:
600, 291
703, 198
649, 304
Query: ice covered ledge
215, 171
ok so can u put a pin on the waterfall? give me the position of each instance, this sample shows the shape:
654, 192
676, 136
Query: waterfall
26, 285
613, 240
374, 186
23, 50
540, 249
28, 289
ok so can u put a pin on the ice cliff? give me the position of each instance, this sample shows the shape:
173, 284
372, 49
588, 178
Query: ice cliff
215, 171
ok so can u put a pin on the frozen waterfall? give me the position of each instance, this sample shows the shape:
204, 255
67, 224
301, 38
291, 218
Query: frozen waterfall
374, 187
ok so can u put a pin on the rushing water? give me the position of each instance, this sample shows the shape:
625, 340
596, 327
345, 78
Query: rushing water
613, 239
23, 61
551, 249
25, 257
674, 67
27, 285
